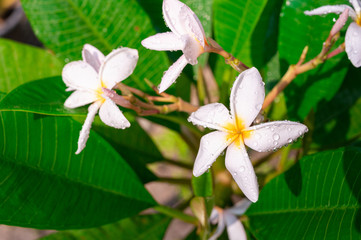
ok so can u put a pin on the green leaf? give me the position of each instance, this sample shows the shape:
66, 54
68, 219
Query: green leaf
147, 227
45, 96
338, 121
234, 22
65, 26
203, 185
296, 31
45, 185
318, 198
22, 63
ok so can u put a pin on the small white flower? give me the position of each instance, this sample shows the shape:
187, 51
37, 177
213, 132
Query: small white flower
233, 131
227, 217
353, 33
186, 34
89, 77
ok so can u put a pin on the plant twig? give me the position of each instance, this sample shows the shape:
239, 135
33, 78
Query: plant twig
176, 214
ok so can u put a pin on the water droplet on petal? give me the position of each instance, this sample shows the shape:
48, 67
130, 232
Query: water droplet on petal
258, 107
289, 129
235, 174
275, 143
290, 140
276, 136
242, 169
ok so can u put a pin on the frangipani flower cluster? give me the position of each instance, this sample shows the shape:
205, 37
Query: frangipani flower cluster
353, 33
187, 34
234, 131
227, 218
89, 77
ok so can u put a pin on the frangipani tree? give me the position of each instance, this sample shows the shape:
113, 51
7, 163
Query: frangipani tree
263, 75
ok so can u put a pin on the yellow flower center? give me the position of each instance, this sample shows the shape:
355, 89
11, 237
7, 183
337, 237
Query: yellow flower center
99, 92
236, 132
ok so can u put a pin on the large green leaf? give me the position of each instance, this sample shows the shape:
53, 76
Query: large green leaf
338, 121
234, 22
318, 198
296, 31
45, 185
47, 96
147, 227
65, 26
21, 63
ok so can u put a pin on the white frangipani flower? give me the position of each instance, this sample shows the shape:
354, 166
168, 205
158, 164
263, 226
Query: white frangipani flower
186, 34
89, 77
227, 218
353, 33
234, 131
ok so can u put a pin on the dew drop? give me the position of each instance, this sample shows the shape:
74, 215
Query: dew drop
235, 174
300, 132
275, 143
289, 129
290, 140
276, 137
258, 107
242, 169
66, 60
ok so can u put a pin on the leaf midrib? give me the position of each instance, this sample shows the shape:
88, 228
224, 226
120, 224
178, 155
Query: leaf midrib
319, 209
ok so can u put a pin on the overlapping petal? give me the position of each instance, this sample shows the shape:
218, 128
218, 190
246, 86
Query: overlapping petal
93, 56
240, 166
235, 228
117, 66
85, 130
80, 75
356, 5
192, 49
211, 146
214, 116
240, 207
247, 97
272, 135
80, 98
182, 20
172, 74
110, 114
332, 9
353, 44
167, 41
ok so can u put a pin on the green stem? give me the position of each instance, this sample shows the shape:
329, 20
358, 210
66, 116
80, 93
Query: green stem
176, 214
178, 164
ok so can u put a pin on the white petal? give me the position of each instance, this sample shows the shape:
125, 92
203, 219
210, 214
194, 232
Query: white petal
240, 207
110, 114
214, 216
182, 20
172, 74
353, 44
93, 56
356, 5
167, 41
247, 97
192, 49
235, 228
270, 136
80, 75
117, 66
332, 9
214, 116
80, 98
211, 146
85, 130
239, 165
220, 227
